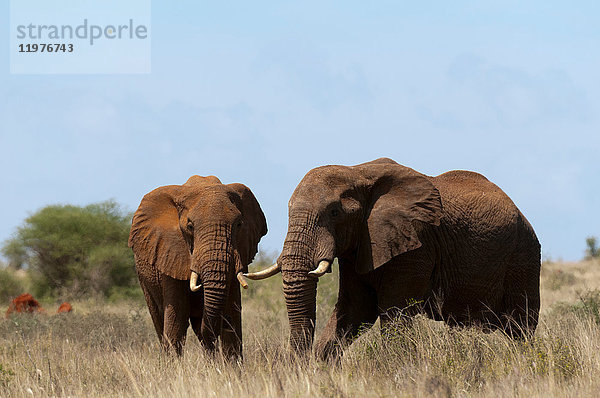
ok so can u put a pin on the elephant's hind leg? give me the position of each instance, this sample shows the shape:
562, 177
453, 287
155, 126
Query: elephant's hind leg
520, 317
521, 301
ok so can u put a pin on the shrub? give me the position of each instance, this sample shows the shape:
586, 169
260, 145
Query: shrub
592, 251
71, 250
587, 307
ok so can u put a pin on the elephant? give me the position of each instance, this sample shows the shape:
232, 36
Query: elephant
453, 247
190, 242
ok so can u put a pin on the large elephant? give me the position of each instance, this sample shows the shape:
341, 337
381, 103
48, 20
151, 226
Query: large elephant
453, 246
190, 242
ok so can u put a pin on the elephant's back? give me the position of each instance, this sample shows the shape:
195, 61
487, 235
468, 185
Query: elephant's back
478, 213
470, 197
463, 183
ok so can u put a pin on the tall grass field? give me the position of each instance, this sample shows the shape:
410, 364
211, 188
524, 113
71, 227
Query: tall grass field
110, 350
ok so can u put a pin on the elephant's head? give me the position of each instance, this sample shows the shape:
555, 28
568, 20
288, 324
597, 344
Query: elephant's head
365, 214
202, 231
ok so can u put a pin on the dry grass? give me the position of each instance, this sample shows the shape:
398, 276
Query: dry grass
111, 350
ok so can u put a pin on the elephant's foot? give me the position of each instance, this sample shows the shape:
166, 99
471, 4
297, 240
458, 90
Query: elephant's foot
169, 347
231, 345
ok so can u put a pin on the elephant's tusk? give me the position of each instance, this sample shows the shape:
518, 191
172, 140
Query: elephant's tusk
265, 273
321, 269
193, 280
242, 280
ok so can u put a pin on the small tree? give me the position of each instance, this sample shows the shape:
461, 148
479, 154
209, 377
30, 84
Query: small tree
592, 251
74, 249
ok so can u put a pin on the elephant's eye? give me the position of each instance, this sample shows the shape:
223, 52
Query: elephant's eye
190, 225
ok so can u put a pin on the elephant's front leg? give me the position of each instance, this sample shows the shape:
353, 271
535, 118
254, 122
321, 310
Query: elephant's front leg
355, 309
176, 314
231, 332
402, 292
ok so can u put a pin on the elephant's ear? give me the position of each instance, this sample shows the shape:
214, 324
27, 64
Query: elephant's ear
397, 197
155, 236
254, 225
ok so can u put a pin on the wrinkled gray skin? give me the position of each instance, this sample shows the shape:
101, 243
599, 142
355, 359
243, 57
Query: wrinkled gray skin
206, 227
455, 243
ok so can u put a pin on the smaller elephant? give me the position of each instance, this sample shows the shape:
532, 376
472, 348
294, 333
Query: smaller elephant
192, 242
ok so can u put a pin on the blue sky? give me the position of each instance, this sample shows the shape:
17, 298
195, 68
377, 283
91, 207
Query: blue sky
262, 92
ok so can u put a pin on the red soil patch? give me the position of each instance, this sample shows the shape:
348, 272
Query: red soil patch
24, 303
64, 307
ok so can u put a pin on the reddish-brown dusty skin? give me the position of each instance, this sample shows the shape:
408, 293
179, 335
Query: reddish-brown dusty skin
200, 232
24, 303
64, 307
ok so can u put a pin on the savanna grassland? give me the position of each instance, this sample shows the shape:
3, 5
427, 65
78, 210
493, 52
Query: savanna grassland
111, 349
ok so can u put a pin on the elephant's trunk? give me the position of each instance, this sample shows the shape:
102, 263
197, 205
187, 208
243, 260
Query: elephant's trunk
212, 319
300, 300
215, 267
300, 289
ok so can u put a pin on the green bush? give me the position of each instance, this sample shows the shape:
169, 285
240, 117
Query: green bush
126, 293
587, 307
72, 250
